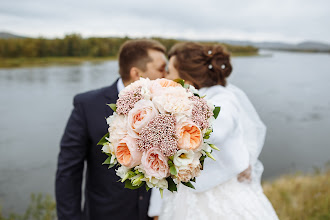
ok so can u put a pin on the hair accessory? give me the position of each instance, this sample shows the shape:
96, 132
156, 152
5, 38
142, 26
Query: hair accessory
209, 52
223, 66
210, 66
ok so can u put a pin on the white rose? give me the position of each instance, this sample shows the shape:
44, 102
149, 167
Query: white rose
146, 94
210, 104
117, 129
108, 148
122, 171
206, 147
152, 181
183, 158
142, 82
193, 89
174, 100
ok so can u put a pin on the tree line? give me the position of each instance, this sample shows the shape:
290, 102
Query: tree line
74, 45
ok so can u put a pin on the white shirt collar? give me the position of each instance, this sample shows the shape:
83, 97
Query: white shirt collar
120, 85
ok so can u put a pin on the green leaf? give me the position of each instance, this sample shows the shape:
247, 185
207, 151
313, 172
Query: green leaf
113, 107
208, 131
103, 141
129, 185
107, 161
201, 159
172, 167
195, 94
173, 170
216, 112
180, 81
214, 147
111, 165
171, 185
209, 155
193, 180
147, 188
188, 184
161, 192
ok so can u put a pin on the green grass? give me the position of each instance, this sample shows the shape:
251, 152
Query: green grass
294, 197
41, 207
48, 61
300, 197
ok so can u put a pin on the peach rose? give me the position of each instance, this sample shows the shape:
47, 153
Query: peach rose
155, 163
167, 83
139, 117
127, 152
189, 136
188, 173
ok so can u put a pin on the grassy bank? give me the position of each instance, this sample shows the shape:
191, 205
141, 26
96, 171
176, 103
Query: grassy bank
300, 197
294, 197
48, 61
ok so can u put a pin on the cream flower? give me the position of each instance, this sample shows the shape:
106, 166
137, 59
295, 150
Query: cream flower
122, 171
117, 128
174, 100
185, 175
142, 83
152, 181
183, 158
110, 149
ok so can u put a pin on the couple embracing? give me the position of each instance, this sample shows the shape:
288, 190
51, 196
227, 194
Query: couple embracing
228, 188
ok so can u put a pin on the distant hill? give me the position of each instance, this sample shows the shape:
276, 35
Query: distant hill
310, 45
304, 46
7, 35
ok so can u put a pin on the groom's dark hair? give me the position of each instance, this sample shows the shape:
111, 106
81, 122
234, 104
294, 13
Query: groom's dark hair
134, 53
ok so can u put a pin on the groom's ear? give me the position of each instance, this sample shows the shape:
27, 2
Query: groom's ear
135, 73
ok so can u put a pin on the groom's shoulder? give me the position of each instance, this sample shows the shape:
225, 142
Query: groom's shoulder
93, 95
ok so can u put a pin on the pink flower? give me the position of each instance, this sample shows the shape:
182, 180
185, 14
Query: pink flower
127, 152
142, 113
189, 136
155, 163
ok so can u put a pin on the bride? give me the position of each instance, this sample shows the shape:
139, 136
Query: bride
228, 188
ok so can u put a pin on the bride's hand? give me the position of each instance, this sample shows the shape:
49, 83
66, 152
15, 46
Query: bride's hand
245, 175
156, 218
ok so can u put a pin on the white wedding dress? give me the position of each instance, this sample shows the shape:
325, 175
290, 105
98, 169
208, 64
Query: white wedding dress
240, 134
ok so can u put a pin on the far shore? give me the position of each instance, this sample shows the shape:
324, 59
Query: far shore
49, 61
21, 62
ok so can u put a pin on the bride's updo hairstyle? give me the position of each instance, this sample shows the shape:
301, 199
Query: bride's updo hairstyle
203, 65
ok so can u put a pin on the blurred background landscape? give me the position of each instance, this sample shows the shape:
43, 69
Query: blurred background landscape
280, 56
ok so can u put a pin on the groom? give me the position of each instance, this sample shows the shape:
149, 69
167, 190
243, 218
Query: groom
104, 196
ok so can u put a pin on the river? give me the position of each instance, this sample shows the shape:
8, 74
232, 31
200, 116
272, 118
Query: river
289, 90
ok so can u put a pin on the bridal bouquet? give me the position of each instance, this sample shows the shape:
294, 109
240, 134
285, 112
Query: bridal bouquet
157, 134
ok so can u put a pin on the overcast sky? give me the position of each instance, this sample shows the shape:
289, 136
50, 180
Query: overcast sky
257, 20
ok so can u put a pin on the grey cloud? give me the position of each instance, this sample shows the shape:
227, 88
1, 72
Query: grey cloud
291, 19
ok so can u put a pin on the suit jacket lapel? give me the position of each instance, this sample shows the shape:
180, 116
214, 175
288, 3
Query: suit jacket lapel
111, 95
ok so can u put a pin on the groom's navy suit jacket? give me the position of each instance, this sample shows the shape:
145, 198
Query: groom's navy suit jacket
105, 197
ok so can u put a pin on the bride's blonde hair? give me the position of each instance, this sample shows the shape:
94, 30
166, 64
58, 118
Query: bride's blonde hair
203, 65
